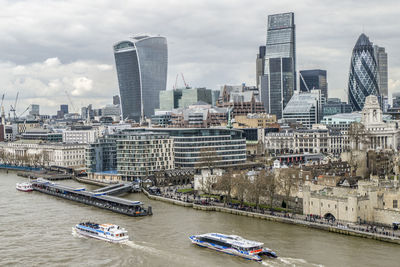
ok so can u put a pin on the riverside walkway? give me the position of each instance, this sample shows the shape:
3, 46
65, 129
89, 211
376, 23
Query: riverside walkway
365, 231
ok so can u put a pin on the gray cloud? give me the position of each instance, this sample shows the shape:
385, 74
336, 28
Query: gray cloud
211, 42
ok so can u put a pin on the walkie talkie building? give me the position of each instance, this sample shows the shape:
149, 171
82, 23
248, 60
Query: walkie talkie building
142, 63
363, 75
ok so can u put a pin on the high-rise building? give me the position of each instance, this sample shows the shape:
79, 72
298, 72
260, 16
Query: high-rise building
382, 62
260, 64
314, 79
116, 100
64, 109
279, 80
34, 110
141, 63
363, 75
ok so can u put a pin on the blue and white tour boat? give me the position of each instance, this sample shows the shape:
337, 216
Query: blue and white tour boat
107, 232
233, 245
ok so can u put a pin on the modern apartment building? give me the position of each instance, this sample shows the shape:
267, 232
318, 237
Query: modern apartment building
140, 154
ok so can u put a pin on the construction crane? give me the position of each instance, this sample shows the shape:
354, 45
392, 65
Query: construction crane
176, 81
184, 82
70, 101
13, 109
24, 111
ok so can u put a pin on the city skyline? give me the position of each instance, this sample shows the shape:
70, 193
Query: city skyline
74, 54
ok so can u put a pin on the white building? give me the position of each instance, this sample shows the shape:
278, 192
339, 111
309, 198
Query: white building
80, 136
382, 135
38, 152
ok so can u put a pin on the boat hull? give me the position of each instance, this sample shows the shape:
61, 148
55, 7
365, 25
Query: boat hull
100, 237
229, 251
24, 190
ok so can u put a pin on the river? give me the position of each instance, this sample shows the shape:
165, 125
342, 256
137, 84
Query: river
35, 230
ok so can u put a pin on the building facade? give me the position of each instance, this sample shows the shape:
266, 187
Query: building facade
335, 106
35, 152
304, 108
314, 79
80, 137
382, 62
279, 79
260, 65
141, 64
363, 75
140, 154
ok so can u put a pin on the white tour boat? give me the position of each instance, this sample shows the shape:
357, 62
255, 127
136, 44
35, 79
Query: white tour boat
25, 187
107, 232
233, 245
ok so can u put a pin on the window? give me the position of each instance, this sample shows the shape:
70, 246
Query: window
395, 203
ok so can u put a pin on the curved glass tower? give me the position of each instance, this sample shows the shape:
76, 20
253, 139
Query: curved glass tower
141, 64
363, 76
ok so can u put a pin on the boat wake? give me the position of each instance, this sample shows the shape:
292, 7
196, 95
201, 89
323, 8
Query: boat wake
286, 261
132, 244
76, 234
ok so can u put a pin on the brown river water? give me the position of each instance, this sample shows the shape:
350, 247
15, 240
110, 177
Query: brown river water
36, 230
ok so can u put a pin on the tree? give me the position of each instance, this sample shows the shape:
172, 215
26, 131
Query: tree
259, 186
241, 184
287, 182
358, 136
225, 183
208, 158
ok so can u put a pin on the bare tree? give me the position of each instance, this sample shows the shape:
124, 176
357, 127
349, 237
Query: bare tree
225, 183
208, 158
241, 184
257, 188
288, 183
358, 136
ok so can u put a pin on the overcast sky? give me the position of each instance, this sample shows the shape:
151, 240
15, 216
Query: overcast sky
49, 47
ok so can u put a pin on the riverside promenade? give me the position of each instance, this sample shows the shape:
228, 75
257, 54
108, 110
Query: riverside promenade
380, 234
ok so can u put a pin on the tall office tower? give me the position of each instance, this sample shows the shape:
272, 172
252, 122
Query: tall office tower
260, 65
141, 63
64, 109
314, 79
363, 74
116, 100
382, 62
279, 80
34, 110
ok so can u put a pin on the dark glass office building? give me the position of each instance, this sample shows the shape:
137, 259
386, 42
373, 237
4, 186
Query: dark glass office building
314, 79
363, 75
141, 64
279, 79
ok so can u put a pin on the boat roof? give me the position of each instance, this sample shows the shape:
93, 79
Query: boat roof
233, 240
120, 200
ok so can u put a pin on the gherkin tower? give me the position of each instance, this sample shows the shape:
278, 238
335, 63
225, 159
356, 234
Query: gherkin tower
363, 76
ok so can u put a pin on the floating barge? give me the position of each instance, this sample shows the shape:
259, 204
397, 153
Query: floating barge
100, 199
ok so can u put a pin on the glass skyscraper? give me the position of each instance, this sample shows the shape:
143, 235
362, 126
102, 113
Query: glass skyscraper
141, 64
279, 79
363, 75
314, 79
382, 62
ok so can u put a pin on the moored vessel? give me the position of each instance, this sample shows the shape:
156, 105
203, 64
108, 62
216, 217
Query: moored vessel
233, 245
25, 187
107, 232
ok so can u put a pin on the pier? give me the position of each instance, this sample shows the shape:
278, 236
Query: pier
101, 199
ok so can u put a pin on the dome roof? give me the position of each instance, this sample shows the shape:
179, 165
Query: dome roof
363, 40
